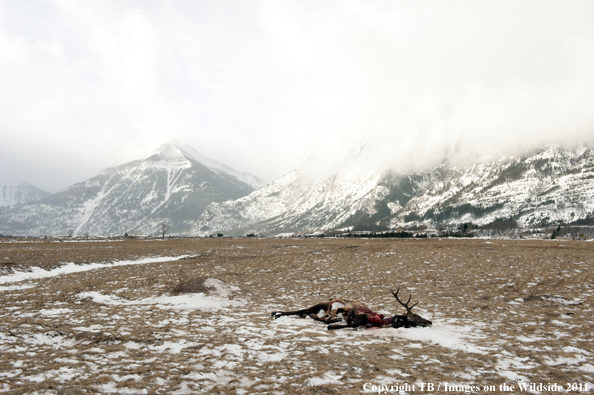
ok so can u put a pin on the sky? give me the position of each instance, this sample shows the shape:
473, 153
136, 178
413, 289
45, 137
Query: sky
265, 86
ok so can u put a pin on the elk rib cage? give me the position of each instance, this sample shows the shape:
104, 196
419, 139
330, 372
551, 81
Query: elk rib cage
356, 314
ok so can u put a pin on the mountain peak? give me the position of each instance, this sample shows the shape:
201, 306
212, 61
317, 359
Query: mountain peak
167, 148
14, 191
173, 152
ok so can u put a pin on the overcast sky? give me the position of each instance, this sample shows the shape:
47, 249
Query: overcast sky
263, 85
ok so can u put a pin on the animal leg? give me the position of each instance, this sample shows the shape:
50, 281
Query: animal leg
312, 310
326, 319
359, 320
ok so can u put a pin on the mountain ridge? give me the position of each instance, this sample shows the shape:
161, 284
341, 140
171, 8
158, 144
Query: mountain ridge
550, 185
167, 186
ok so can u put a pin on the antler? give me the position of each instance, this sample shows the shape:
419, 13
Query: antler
408, 309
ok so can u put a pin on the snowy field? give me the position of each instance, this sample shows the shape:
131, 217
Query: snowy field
93, 317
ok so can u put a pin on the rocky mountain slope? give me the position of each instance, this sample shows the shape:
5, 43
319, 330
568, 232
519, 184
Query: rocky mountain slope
551, 185
14, 191
171, 185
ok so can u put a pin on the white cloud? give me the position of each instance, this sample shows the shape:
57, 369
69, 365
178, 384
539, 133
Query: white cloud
262, 85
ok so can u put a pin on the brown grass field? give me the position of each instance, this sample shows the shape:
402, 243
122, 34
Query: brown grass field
513, 312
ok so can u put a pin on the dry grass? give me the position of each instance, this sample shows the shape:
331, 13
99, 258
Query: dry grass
523, 307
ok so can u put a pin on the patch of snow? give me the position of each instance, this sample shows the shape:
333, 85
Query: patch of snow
448, 336
197, 301
16, 287
37, 272
328, 378
50, 312
173, 347
221, 288
190, 301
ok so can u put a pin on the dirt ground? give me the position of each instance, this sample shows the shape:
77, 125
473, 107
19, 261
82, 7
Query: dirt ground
505, 312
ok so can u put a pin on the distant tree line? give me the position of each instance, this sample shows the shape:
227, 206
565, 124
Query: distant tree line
392, 234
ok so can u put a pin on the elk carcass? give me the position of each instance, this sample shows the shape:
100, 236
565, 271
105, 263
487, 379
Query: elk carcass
356, 314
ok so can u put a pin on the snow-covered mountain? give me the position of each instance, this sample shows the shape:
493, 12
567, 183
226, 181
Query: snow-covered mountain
14, 191
171, 184
551, 185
